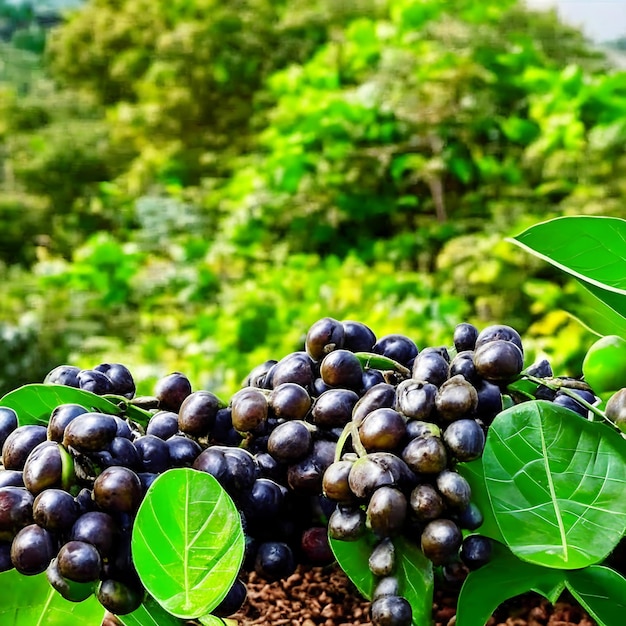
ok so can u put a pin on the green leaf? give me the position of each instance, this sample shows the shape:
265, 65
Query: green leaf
556, 483
31, 601
187, 542
601, 591
414, 571
150, 613
597, 316
590, 248
35, 402
504, 577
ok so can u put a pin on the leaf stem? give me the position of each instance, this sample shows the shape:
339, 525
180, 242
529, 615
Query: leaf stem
557, 385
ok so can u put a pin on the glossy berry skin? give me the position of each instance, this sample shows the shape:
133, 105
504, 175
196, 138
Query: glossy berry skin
197, 413
346, 523
153, 452
182, 451
465, 439
499, 332
465, 336
171, 390
20, 443
8, 423
358, 337
163, 424
334, 408
44, 467
79, 561
99, 529
397, 347
315, 547
324, 336
382, 429
122, 383
290, 401
498, 361
386, 511
95, 382
118, 490
60, 417
55, 510
296, 367
274, 560
341, 368
90, 432
441, 540
63, 375
32, 550
476, 551
249, 408
391, 611
119, 598
430, 367
16, 509
290, 441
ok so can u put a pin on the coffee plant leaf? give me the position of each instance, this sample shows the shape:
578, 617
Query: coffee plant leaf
589, 248
555, 482
187, 542
34, 402
31, 601
504, 577
601, 591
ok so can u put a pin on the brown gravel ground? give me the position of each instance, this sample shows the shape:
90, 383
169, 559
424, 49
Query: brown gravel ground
316, 596
323, 596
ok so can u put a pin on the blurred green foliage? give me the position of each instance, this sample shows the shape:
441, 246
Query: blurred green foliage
188, 185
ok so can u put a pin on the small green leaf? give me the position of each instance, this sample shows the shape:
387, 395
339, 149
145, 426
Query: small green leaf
504, 577
589, 248
556, 484
150, 613
414, 571
31, 601
601, 591
187, 542
35, 402
597, 316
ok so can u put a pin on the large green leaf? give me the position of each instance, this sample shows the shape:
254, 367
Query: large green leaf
590, 248
602, 591
33, 403
597, 316
414, 571
504, 577
187, 542
150, 613
556, 484
31, 601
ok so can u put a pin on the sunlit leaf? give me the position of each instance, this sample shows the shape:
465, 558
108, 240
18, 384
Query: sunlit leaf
556, 484
35, 402
31, 601
187, 542
592, 249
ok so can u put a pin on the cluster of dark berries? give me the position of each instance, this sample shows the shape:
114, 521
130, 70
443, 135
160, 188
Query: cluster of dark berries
352, 434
